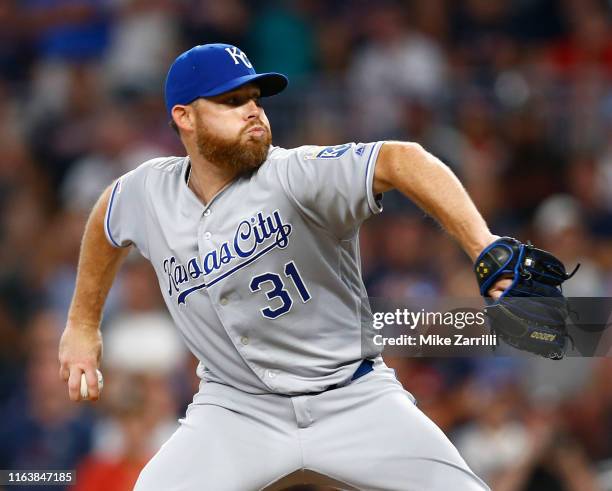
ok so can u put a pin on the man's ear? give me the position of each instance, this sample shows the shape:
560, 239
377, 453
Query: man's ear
183, 117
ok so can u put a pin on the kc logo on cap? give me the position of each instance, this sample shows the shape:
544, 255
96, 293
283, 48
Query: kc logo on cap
212, 69
238, 55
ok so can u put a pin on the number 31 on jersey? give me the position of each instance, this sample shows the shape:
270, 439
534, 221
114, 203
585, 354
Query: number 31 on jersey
277, 292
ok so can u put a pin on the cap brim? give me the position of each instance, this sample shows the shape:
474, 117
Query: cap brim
269, 83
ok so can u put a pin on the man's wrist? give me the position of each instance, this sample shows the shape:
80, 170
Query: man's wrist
78, 322
481, 244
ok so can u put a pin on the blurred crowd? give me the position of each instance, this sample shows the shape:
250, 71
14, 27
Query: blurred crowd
515, 95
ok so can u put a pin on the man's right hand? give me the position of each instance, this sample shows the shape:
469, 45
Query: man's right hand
80, 351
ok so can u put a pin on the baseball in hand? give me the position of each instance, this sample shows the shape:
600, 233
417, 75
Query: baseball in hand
85, 390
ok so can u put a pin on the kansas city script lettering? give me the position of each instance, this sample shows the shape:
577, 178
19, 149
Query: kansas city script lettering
245, 246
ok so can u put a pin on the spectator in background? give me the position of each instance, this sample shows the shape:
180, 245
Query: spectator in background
59, 131
11, 352
589, 181
67, 35
497, 440
211, 21
588, 413
118, 470
143, 41
15, 50
560, 226
282, 38
395, 63
68, 30
482, 154
587, 47
480, 32
42, 430
55, 265
116, 148
519, 448
404, 245
535, 163
138, 415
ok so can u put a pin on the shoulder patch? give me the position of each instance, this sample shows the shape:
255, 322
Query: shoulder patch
328, 152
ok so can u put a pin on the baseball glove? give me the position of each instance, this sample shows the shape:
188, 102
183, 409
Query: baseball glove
532, 313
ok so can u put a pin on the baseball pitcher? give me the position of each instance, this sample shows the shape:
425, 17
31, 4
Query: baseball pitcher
256, 252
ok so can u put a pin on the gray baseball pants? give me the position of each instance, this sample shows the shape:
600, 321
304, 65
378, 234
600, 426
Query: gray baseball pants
367, 435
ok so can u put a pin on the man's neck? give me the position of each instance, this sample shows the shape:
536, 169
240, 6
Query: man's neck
206, 179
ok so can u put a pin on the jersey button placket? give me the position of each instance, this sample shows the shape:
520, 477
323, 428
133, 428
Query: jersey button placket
204, 237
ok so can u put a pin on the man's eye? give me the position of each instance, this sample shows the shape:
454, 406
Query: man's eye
239, 101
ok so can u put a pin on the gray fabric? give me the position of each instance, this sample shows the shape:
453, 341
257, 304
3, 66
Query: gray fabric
366, 435
295, 220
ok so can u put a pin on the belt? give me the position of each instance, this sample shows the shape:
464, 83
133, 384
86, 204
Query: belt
365, 367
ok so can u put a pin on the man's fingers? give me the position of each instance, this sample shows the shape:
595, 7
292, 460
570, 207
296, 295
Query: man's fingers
92, 384
74, 384
499, 287
496, 292
80, 351
64, 373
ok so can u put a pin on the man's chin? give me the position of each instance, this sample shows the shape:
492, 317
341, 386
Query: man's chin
245, 155
255, 139
258, 148
259, 153
250, 157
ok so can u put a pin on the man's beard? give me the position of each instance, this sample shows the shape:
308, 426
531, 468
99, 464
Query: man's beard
241, 154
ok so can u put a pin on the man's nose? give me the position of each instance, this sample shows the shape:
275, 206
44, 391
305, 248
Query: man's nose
252, 109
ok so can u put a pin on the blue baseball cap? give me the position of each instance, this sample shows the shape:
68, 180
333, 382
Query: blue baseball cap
212, 69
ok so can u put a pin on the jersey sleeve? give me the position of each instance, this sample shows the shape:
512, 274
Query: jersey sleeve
332, 186
124, 222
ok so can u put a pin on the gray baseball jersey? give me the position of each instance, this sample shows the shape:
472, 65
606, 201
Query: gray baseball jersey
264, 281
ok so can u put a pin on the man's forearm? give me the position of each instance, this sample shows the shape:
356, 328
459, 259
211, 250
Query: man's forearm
433, 187
98, 264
